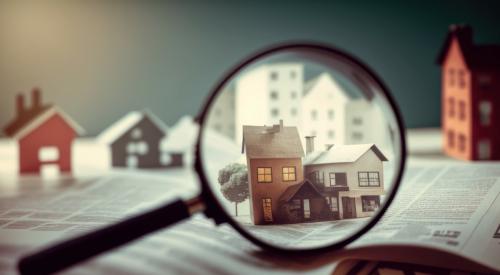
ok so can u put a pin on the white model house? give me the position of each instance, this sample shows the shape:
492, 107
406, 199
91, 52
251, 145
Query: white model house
267, 94
335, 117
350, 176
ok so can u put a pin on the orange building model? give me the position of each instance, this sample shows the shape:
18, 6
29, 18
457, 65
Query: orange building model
470, 115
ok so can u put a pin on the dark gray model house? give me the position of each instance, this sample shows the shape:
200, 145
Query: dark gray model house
134, 140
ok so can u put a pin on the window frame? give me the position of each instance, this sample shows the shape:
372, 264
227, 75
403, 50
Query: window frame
368, 198
267, 203
264, 175
283, 173
368, 179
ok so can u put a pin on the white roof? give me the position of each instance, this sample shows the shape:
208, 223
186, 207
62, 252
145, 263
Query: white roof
342, 154
182, 136
40, 119
120, 127
325, 81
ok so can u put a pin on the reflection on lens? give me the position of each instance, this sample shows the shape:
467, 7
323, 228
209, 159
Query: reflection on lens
301, 148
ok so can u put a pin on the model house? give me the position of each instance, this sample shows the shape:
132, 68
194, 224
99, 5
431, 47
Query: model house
134, 141
45, 134
350, 177
178, 147
340, 118
470, 82
276, 87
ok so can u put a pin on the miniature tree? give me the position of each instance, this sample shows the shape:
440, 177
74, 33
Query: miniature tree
234, 183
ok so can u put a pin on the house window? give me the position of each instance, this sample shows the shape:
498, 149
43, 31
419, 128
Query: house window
314, 133
357, 135
293, 74
485, 113
451, 107
314, 114
307, 209
264, 174
451, 76
484, 149
333, 203
274, 76
218, 127
484, 82
289, 174
461, 78
451, 138
317, 178
275, 112
332, 179
293, 111
48, 153
357, 121
370, 203
267, 209
366, 179
295, 205
330, 114
461, 142
293, 95
331, 134
461, 110
136, 133
274, 95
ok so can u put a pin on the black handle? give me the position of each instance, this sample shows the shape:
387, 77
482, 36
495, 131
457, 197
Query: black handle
68, 253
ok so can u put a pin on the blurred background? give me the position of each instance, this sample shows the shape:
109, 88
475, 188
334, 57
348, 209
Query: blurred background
100, 59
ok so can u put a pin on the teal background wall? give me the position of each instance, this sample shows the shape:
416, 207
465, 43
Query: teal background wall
99, 59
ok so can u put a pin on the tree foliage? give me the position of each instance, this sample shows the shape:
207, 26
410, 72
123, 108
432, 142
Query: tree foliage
234, 183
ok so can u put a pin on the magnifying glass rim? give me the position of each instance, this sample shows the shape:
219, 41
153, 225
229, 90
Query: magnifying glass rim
216, 211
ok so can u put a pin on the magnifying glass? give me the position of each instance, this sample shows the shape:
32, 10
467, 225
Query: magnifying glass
301, 149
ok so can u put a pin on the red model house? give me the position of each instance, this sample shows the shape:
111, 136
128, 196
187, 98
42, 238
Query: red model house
45, 134
470, 96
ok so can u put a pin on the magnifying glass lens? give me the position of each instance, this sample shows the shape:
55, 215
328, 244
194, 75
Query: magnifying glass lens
301, 148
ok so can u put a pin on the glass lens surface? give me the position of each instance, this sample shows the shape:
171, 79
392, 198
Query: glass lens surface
301, 147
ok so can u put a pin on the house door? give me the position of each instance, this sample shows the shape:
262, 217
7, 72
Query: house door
132, 161
48, 157
307, 209
348, 207
267, 210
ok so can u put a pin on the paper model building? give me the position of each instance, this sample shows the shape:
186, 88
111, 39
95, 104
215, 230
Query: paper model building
470, 76
134, 141
279, 193
178, 147
45, 134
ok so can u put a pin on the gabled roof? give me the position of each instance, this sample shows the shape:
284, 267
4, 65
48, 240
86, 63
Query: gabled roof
120, 127
325, 79
31, 119
293, 189
476, 56
342, 154
271, 142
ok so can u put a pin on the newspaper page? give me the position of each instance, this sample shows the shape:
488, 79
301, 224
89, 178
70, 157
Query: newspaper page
34, 214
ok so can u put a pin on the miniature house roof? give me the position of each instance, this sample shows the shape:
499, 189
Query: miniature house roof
120, 127
327, 81
182, 136
476, 56
276, 141
32, 119
342, 154
292, 190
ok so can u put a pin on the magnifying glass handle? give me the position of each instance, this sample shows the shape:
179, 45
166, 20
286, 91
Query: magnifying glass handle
68, 253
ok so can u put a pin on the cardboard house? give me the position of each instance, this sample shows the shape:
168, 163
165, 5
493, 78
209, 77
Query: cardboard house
45, 134
178, 147
470, 85
350, 177
134, 141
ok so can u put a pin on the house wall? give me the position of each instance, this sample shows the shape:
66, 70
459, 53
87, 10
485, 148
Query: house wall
367, 162
453, 126
150, 134
365, 123
254, 104
272, 190
222, 114
53, 132
485, 88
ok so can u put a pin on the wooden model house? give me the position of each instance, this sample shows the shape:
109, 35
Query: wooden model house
350, 177
45, 134
470, 76
134, 140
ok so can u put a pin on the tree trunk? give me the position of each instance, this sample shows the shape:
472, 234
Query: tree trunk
236, 208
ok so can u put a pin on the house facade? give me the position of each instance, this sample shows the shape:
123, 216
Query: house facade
222, 114
350, 177
134, 141
470, 81
45, 134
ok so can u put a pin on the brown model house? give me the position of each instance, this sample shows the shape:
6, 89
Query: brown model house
470, 96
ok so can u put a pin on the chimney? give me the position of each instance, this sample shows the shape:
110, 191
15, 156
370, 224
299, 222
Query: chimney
36, 99
309, 144
20, 104
276, 128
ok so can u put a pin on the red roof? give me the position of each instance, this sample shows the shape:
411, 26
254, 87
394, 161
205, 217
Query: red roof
21, 121
476, 56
